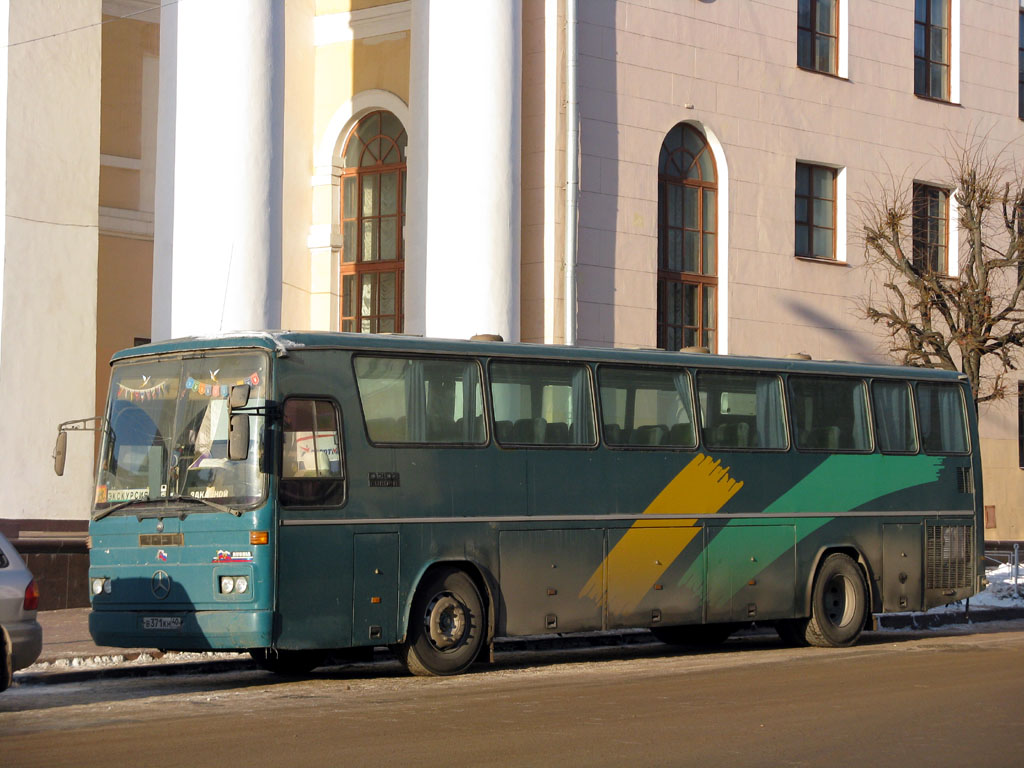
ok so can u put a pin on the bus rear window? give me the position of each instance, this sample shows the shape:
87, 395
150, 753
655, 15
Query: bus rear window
646, 408
741, 410
411, 400
829, 414
940, 412
542, 404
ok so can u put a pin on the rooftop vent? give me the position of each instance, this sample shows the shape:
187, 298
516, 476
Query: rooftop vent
486, 337
798, 356
696, 350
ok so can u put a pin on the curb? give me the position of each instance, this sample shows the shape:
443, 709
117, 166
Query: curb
165, 665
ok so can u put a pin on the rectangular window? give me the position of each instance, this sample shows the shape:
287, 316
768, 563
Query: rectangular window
1020, 65
409, 400
930, 227
1020, 424
646, 408
815, 211
817, 35
741, 410
894, 417
312, 473
931, 48
829, 414
942, 418
542, 404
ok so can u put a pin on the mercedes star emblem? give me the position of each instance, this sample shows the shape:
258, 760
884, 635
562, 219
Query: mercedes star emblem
161, 585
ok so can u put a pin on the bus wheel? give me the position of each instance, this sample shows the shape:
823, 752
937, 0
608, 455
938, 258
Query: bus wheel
288, 663
839, 603
696, 635
446, 627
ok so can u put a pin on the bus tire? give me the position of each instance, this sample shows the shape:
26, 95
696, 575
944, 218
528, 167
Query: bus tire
446, 627
695, 635
287, 663
839, 603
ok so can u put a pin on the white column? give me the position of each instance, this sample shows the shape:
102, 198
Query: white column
416, 159
228, 155
163, 196
470, 122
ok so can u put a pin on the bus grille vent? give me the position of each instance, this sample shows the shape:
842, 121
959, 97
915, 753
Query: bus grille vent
949, 557
964, 480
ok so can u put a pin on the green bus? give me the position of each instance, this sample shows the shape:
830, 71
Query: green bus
299, 494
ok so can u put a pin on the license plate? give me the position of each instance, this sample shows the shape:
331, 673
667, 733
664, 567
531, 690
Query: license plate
161, 622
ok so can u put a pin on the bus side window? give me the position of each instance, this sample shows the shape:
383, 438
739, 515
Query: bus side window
421, 401
741, 410
312, 472
894, 417
829, 414
545, 403
646, 408
941, 416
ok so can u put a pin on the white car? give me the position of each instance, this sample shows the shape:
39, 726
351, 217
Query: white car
21, 637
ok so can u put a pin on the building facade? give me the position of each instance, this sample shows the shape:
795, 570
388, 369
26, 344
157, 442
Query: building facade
608, 172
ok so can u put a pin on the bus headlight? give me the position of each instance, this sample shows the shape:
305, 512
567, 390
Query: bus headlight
227, 585
241, 584
100, 585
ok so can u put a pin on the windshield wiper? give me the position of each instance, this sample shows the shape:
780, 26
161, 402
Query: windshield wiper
207, 502
121, 505
178, 498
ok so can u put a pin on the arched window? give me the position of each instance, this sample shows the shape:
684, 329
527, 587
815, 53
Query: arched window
687, 241
372, 221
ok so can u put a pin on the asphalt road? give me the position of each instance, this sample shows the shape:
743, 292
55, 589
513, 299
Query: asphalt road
953, 698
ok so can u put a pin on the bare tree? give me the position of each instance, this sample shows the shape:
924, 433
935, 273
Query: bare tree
972, 322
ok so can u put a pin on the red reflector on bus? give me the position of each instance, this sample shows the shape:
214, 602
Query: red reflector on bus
375, 600
31, 596
258, 537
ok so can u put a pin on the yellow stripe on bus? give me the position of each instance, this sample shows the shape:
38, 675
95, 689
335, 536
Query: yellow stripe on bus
701, 488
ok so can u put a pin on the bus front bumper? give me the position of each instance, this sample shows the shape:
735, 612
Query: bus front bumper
231, 630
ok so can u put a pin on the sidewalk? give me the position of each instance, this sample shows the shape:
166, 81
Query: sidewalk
69, 654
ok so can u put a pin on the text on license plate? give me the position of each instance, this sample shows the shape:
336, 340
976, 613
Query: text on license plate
161, 622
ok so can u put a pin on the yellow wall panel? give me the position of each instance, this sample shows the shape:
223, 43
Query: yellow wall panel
125, 43
124, 301
119, 187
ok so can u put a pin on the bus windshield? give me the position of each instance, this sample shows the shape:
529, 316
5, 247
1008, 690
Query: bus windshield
166, 435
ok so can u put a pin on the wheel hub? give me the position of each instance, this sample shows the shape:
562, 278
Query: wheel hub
840, 601
446, 620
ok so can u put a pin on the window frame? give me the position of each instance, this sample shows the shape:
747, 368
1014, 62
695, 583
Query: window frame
358, 269
1020, 424
701, 279
920, 245
868, 413
913, 415
342, 454
657, 369
484, 394
927, 24
920, 422
493, 422
809, 224
1020, 65
752, 373
814, 34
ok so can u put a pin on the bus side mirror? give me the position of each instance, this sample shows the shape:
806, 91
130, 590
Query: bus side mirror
239, 396
60, 452
238, 436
